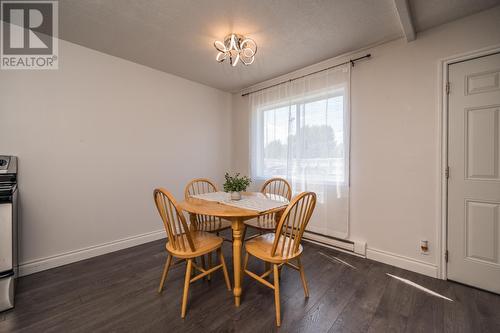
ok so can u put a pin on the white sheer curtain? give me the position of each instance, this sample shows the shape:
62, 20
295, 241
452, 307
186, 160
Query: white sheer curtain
300, 131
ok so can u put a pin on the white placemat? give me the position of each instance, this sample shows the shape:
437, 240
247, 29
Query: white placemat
214, 196
259, 203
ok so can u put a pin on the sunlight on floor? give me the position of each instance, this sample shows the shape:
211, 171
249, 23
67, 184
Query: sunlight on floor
416, 285
336, 260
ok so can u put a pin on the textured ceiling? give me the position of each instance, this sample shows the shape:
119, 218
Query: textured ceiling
431, 13
177, 36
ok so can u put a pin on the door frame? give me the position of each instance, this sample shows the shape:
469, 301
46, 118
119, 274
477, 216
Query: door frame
442, 228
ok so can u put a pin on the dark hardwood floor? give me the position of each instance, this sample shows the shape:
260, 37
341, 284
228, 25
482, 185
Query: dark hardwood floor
117, 293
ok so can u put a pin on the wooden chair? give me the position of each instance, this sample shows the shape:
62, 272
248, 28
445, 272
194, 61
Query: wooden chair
205, 222
273, 187
283, 246
186, 244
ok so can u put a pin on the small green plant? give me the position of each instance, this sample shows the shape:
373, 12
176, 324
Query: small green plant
236, 183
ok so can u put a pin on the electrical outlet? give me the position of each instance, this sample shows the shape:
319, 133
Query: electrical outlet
424, 246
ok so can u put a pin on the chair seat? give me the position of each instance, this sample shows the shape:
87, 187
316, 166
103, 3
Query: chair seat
214, 226
262, 223
204, 243
261, 247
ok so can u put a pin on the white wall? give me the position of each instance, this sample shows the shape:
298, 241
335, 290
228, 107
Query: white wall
94, 139
96, 136
395, 139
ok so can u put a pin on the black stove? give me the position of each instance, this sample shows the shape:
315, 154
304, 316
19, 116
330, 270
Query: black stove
8, 176
8, 230
6, 191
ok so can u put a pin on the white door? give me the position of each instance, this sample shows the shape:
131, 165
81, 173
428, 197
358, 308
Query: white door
474, 178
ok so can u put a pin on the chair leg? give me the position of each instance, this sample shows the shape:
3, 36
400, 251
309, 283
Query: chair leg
303, 277
244, 233
245, 262
203, 265
267, 266
209, 276
224, 268
187, 280
168, 262
193, 271
277, 294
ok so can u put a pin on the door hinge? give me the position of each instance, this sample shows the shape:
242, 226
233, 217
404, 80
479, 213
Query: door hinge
447, 88
447, 172
446, 256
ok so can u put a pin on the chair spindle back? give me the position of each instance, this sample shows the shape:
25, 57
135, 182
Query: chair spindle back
292, 224
173, 220
277, 186
199, 186
274, 187
202, 186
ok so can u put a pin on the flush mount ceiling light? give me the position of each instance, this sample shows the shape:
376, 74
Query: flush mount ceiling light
236, 47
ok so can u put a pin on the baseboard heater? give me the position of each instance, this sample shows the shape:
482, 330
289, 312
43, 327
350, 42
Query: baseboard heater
354, 247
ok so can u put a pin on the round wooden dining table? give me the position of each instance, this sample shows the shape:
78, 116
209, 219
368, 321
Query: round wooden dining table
237, 216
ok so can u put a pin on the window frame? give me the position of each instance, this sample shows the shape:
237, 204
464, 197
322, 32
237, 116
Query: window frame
298, 102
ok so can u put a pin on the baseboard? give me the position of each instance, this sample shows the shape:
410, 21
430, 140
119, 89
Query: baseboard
400, 261
357, 247
360, 249
42, 264
328, 246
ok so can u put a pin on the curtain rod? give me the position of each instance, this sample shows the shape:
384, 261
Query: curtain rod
351, 61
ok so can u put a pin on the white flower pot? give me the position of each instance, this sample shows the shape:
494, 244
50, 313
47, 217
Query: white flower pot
235, 195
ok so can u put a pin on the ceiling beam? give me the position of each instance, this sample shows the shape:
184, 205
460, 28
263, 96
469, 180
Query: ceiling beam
403, 9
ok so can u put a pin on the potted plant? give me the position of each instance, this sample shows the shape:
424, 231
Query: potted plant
235, 185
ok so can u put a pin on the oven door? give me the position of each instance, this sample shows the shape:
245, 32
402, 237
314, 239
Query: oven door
6, 290
6, 236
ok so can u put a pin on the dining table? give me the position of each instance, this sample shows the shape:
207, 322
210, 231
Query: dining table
237, 213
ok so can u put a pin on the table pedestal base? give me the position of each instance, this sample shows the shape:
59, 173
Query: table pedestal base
238, 228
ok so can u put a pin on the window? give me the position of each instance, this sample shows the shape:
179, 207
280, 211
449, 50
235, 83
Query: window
300, 131
304, 138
